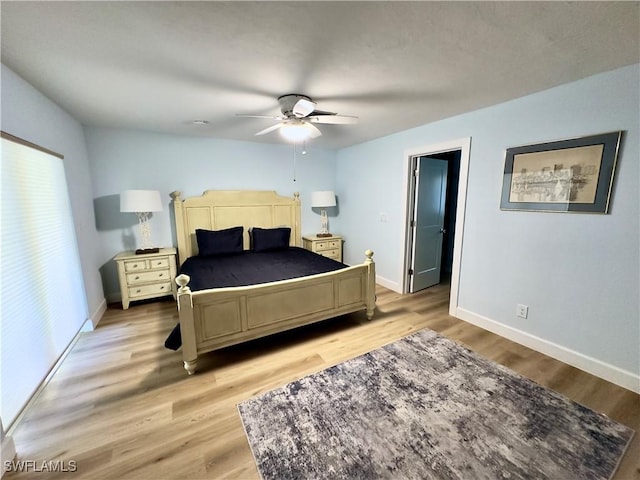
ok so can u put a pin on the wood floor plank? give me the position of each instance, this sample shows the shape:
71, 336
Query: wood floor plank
122, 406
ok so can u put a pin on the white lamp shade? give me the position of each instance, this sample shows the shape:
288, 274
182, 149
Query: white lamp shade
323, 199
140, 201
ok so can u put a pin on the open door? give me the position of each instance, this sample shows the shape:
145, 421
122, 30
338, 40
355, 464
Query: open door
430, 177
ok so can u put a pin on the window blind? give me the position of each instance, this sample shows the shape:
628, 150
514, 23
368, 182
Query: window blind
43, 302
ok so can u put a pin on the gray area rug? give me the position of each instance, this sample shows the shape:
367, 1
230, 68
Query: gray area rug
425, 407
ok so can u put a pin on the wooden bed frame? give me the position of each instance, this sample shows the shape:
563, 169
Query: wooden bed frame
219, 317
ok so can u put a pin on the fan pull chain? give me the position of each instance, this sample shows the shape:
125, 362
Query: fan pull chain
294, 161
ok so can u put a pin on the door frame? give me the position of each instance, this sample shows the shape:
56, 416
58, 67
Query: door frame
464, 145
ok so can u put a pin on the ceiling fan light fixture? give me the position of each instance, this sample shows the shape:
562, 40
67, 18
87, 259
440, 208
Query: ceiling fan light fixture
296, 132
298, 119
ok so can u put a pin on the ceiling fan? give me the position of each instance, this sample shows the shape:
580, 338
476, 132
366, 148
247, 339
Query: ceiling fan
296, 123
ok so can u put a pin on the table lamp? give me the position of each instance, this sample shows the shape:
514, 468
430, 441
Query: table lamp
323, 200
142, 203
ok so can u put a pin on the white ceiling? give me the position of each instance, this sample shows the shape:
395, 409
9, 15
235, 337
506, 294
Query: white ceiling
157, 66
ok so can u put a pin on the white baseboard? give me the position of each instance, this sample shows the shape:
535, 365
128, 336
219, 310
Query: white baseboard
608, 372
96, 316
395, 286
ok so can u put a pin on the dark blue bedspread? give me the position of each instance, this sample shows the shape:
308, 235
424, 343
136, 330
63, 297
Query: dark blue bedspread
250, 268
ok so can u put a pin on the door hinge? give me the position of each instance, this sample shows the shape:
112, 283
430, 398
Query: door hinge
413, 223
411, 271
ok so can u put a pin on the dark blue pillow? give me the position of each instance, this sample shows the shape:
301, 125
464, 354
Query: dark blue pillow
219, 242
264, 239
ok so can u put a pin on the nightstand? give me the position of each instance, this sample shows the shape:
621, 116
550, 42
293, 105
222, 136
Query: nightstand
146, 276
326, 246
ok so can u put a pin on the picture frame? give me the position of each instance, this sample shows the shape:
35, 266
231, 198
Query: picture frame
570, 176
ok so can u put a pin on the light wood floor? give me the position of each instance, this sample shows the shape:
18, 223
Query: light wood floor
122, 407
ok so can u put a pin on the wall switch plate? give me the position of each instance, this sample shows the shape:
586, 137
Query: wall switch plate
522, 311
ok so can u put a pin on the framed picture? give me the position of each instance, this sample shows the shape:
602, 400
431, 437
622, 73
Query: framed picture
573, 175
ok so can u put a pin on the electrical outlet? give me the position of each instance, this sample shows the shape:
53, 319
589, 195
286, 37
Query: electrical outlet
522, 311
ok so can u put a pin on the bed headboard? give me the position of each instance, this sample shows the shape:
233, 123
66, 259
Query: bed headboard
218, 209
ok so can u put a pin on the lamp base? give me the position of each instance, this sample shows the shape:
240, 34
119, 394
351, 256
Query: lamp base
323, 235
142, 251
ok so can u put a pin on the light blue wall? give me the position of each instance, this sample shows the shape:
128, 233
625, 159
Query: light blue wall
125, 159
28, 114
579, 274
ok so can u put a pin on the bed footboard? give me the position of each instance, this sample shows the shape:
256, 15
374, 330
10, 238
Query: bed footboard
216, 318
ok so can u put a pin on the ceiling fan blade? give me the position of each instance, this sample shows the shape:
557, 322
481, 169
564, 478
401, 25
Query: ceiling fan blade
321, 112
315, 131
270, 129
303, 107
246, 115
334, 119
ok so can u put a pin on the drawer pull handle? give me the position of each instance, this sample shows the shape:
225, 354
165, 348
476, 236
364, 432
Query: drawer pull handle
160, 274
137, 278
162, 287
138, 291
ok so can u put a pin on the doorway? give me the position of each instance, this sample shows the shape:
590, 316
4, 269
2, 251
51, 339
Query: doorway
434, 191
457, 154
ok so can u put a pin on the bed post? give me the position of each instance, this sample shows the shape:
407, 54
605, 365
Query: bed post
296, 221
178, 212
187, 328
371, 284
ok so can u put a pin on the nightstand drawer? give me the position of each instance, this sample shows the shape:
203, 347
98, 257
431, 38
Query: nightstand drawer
135, 266
154, 289
159, 263
327, 245
146, 277
330, 253
140, 265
